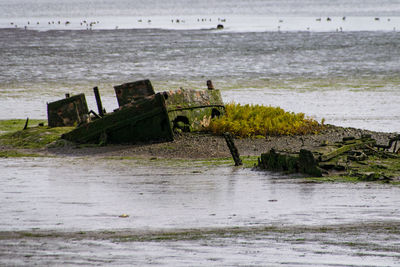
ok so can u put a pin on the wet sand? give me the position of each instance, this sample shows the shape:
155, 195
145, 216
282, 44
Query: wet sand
346, 245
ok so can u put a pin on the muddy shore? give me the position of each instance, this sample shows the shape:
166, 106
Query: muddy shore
202, 145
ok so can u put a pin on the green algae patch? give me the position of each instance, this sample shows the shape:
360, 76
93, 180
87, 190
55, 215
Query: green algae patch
16, 154
33, 137
7, 126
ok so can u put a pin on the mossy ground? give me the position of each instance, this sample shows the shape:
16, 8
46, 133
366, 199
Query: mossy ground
374, 169
36, 136
7, 126
16, 154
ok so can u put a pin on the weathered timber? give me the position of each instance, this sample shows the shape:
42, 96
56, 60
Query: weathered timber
183, 110
140, 121
26, 124
233, 149
345, 147
129, 92
193, 108
188, 109
279, 161
358, 158
70, 111
210, 85
303, 162
308, 164
389, 145
98, 101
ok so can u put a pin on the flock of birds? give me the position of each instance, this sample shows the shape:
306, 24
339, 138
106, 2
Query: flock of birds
329, 19
89, 24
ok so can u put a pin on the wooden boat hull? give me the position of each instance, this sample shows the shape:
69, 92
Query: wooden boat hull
140, 121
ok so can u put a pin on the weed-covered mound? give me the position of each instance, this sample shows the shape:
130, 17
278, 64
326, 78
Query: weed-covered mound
256, 120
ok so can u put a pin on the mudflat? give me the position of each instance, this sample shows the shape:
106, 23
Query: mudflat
203, 145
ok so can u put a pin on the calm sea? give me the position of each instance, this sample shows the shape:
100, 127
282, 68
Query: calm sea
338, 60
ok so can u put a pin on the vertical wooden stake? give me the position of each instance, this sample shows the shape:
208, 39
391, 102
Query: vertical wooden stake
232, 148
210, 85
98, 101
26, 124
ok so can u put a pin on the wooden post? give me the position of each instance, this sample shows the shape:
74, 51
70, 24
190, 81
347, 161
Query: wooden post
98, 101
232, 148
210, 85
26, 124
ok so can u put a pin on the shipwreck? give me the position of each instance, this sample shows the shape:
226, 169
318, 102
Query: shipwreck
142, 116
361, 158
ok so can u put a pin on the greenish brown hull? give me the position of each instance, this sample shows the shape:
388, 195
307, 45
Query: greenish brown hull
141, 121
193, 108
69, 111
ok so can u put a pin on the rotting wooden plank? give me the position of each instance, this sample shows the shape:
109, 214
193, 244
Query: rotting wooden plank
345, 148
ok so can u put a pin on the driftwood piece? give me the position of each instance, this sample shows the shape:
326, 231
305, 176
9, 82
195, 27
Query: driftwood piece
354, 144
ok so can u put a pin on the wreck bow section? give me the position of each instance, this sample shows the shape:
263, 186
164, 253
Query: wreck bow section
142, 116
140, 121
188, 109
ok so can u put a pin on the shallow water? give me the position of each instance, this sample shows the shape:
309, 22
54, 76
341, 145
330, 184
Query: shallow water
42, 194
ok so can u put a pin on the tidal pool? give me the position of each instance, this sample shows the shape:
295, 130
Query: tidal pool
68, 211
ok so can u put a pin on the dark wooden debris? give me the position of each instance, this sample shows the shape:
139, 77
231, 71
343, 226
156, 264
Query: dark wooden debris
141, 121
98, 101
345, 158
69, 111
142, 116
26, 124
129, 92
232, 148
210, 85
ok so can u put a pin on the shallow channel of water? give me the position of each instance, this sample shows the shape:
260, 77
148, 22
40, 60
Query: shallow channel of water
75, 195
90, 194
